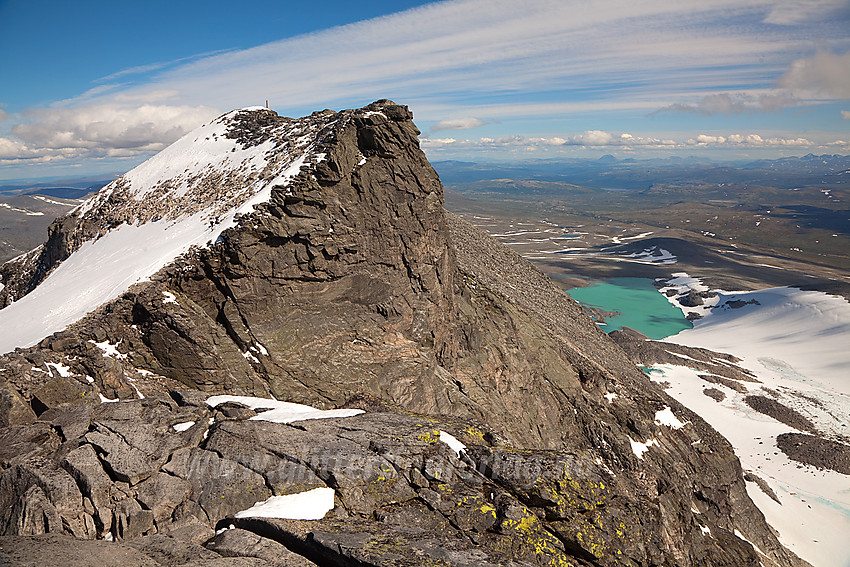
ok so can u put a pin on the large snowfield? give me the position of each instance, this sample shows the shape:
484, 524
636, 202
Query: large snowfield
798, 345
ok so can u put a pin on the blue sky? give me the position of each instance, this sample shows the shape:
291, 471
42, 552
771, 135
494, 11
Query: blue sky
91, 87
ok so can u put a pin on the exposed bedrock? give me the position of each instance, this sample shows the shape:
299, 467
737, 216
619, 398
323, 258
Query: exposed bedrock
352, 285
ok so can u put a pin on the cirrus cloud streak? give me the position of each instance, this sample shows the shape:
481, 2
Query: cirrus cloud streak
458, 124
734, 103
490, 62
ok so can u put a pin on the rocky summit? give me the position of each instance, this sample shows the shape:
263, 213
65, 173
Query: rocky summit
271, 345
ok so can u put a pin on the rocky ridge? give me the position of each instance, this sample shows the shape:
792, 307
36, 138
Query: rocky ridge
210, 173
350, 286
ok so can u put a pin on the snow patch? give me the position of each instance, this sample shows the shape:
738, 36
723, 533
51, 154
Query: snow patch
51, 201
453, 443
640, 448
61, 369
611, 396
181, 427
653, 255
739, 535
684, 282
637, 236
809, 497
601, 463
806, 331
309, 505
666, 417
680, 285
104, 399
109, 350
169, 297
124, 256
136, 389
25, 211
282, 412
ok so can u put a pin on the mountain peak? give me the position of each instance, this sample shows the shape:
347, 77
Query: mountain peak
185, 196
311, 261
215, 169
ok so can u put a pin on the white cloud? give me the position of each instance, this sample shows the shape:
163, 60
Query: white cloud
137, 70
845, 114
704, 139
825, 74
753, 140
791, 12
602, 139
592, 138
149, 97
13, 150
734, 103
458, 124
3, 115
599, 138
100, 128
150, 67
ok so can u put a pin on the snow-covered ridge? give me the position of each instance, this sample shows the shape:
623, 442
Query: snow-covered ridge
185, 196
212, 169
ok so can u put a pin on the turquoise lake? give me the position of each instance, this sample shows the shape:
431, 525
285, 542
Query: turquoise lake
638, 304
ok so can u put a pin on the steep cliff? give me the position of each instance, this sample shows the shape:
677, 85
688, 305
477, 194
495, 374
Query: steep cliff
322, 269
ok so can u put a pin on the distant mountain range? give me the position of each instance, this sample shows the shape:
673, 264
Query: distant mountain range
71, 188
609, 172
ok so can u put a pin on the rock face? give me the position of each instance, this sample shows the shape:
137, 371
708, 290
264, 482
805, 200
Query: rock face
351, 286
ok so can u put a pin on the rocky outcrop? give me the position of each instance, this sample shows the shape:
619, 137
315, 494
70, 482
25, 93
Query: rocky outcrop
780, 412
352, 286
403, 496
723, 368
815, 451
